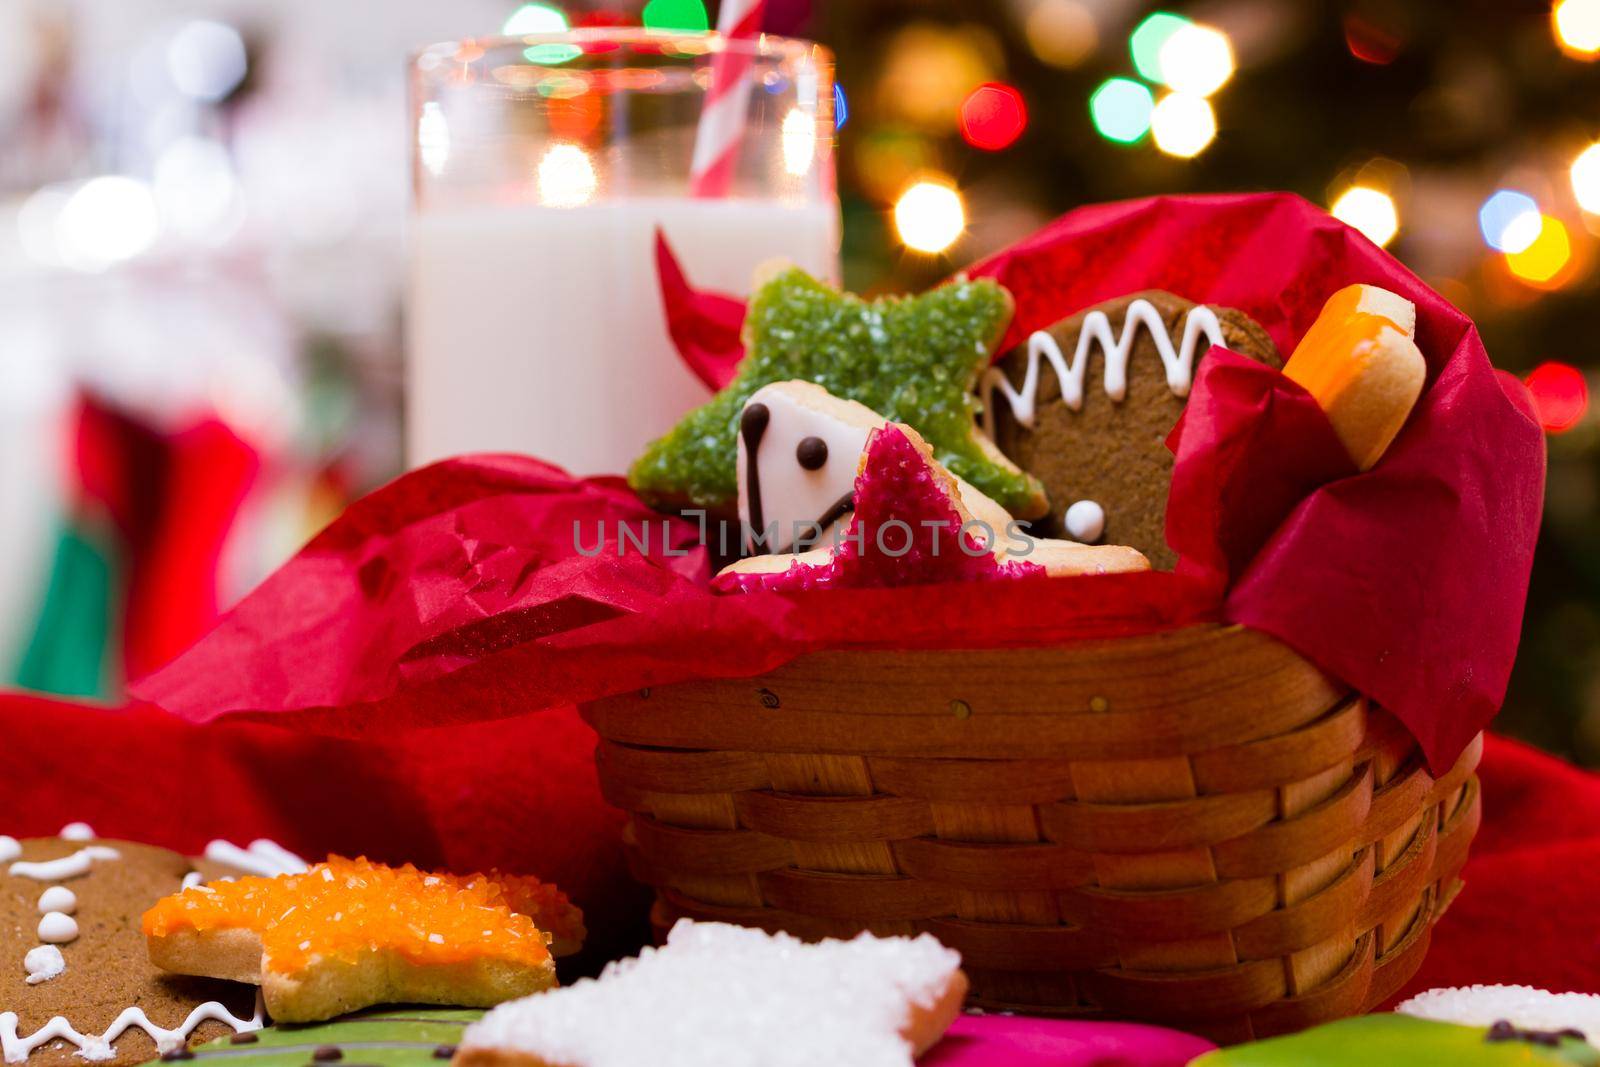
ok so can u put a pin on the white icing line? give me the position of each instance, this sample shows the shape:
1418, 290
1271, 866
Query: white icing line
98, 1047
1179, 362
58, 898
77, 831
66, 867
43, 963
262, 858
190, 880
10, 848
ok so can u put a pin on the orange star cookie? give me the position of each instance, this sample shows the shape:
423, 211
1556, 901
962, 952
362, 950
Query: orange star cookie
348, 934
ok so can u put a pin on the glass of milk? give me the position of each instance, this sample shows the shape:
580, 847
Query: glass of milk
542, 168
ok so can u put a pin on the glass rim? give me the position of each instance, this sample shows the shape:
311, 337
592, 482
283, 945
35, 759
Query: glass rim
705, 42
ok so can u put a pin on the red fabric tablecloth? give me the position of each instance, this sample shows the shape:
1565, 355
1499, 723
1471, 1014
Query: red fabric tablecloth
521, 794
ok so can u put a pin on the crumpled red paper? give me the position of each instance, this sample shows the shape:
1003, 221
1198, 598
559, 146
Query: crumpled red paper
458, 593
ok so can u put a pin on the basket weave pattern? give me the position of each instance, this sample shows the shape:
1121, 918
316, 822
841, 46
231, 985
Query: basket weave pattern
1194, 827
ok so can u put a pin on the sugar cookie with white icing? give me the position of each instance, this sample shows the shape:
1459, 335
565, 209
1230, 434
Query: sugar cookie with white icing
1086, 406
799, 450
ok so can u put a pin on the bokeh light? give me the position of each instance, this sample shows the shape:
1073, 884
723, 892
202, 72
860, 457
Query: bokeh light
1560, 395
530, 19
1149, 38
196, 193
929, 216
928, 70
1183, 124
1372, 211
993, 116
682, 16
534, 18
1545, 258
1121, 109
206, 60
1370, 41
1196, 59
1577, 26
107, 220
1509, 220
1061, 33
799, 138
1585, 175
433, 137
566, 176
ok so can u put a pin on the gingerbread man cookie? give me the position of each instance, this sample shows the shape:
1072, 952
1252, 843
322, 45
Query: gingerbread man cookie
78, 985
1087, 404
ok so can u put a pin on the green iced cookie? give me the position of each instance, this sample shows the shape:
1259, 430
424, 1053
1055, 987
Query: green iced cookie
1401, 1040
392, 1037
911, 359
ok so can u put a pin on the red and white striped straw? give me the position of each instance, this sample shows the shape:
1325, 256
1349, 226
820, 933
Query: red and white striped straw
716, 143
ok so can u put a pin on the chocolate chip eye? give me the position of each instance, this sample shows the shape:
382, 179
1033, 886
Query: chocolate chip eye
812, 452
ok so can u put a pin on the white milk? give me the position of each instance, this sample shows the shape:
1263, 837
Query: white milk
540, 329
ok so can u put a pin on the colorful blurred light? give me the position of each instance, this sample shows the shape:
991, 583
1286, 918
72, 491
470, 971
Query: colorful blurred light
1542, 262
566, 176
1061, 33
1560, 395
1196, 59
1149, 38
993, 116
841, 107
1370, 42
929, 216
1586, 179
682, 16
1509, 220
1121, 109
1369, 210
1577, 26
531, 19
534, 18
1183, 125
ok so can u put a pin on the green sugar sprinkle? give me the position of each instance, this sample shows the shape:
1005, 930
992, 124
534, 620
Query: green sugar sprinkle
911, 359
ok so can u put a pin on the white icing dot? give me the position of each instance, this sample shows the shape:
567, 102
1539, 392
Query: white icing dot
1085, 521
58, 898
77, 831
43, 963
9, 848
57, 929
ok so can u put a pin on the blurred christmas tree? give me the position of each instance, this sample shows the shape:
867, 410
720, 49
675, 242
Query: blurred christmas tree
1460, 135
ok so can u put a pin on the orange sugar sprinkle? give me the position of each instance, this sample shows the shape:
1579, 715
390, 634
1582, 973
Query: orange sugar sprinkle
345, 907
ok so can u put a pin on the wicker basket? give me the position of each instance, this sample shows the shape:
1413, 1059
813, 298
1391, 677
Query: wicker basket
1195, 827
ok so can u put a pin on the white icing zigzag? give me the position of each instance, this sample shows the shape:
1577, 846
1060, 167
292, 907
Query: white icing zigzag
1179, 362
98, 1047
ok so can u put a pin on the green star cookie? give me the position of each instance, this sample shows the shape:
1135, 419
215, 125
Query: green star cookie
910, 359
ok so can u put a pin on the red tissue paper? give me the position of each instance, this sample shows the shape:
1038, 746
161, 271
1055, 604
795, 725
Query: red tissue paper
467, 591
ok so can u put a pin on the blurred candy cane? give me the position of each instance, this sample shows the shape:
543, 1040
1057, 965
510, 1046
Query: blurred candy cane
716, 144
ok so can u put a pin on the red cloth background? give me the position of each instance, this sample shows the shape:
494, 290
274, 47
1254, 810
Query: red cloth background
521, 794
